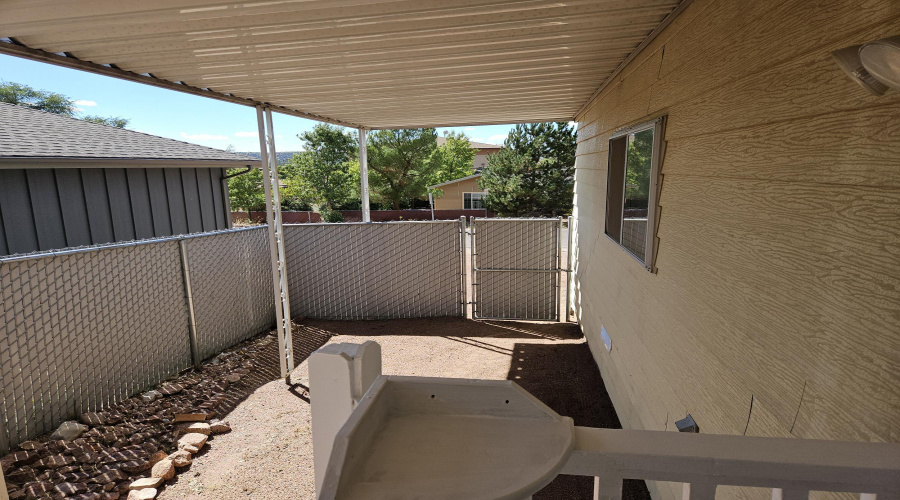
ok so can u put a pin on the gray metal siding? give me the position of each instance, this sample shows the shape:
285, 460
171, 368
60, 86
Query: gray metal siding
96, 198
18, 219
71, 194
45, 209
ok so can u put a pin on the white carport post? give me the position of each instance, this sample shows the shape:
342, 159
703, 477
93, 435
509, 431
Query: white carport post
364, 175
276, 239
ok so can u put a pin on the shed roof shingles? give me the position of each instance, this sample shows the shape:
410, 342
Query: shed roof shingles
30, 133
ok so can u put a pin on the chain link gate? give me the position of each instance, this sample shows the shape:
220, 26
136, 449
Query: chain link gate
516, 265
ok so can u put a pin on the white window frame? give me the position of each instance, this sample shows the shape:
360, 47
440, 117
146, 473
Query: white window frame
481, 193
658, 126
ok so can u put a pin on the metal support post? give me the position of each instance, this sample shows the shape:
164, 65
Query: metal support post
570, 275
364, 175
189, 298
276, 239
559, 268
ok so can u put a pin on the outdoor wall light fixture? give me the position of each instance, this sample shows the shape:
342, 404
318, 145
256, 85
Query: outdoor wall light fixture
874, 65
687, 424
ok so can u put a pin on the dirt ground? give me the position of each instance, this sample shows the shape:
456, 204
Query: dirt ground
268, 455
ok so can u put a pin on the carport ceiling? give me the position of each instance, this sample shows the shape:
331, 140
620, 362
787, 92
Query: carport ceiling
371, 63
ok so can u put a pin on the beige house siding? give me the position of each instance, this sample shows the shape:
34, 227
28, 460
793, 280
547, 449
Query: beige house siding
453, 194
775, 310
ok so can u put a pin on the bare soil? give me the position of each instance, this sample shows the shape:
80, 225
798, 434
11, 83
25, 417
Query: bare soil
268, 454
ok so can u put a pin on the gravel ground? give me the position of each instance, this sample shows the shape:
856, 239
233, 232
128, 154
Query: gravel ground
268, 455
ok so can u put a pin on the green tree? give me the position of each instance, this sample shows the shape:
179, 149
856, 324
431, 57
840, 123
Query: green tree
399, 164
452, 159
112, 121
326, 173
533, 175
245, 191
51, 102
23, 95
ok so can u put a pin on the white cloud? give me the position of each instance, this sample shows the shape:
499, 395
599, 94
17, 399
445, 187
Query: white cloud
203, 137
496, 139
574, 125
246, 134
82, 102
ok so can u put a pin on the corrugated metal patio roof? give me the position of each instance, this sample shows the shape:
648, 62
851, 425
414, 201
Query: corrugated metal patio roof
370, 63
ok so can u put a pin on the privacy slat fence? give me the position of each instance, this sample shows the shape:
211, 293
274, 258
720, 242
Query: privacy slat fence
87, 327
516, 268
358, 271
84, 328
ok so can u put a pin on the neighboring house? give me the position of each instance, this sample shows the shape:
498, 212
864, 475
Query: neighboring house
482, 151
66, 182
461, 193
464, 193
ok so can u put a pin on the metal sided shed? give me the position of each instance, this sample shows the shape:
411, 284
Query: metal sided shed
66, 182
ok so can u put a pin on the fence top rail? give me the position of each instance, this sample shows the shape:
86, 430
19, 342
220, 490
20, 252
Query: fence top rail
123, 244
307, 224
517, 219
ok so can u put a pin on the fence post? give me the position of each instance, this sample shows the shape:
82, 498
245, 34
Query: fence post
464, 293
4, 495
189, 297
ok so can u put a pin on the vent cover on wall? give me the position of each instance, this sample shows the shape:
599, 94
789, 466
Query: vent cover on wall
875, 66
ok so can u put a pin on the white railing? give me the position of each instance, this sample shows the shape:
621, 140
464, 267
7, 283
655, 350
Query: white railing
341, 375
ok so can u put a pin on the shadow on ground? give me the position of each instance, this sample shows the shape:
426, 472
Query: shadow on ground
562, 375
566, 378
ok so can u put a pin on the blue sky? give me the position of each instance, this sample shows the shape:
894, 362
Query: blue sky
176, 115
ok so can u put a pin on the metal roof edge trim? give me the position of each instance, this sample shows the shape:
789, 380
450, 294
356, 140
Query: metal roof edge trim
59, 161
640, 48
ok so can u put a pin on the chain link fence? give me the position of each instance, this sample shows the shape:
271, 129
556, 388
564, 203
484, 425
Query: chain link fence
85, 328
358, 271
516, 268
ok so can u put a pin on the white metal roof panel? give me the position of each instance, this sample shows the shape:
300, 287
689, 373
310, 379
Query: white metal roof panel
372, 63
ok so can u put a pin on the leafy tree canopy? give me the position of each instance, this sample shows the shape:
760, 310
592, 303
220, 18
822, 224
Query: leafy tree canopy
399, 165
637, 169
533, 175
452, 160
326, 173
245, 191
112, 121
51, 102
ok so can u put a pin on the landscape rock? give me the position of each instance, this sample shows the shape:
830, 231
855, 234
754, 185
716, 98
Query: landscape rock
69, 489
232, 378
198, 427
135, 466
146, 482
194, 439
171, 388
110, 476
157, 457
181, 458
190, 417
164, 469
69, 430
189, 448
54, 462
38, 488
142, 494
151, 396
92, 418
219, 427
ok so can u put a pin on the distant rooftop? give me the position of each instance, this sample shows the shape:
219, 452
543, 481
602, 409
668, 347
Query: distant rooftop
27, 134
476, 145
